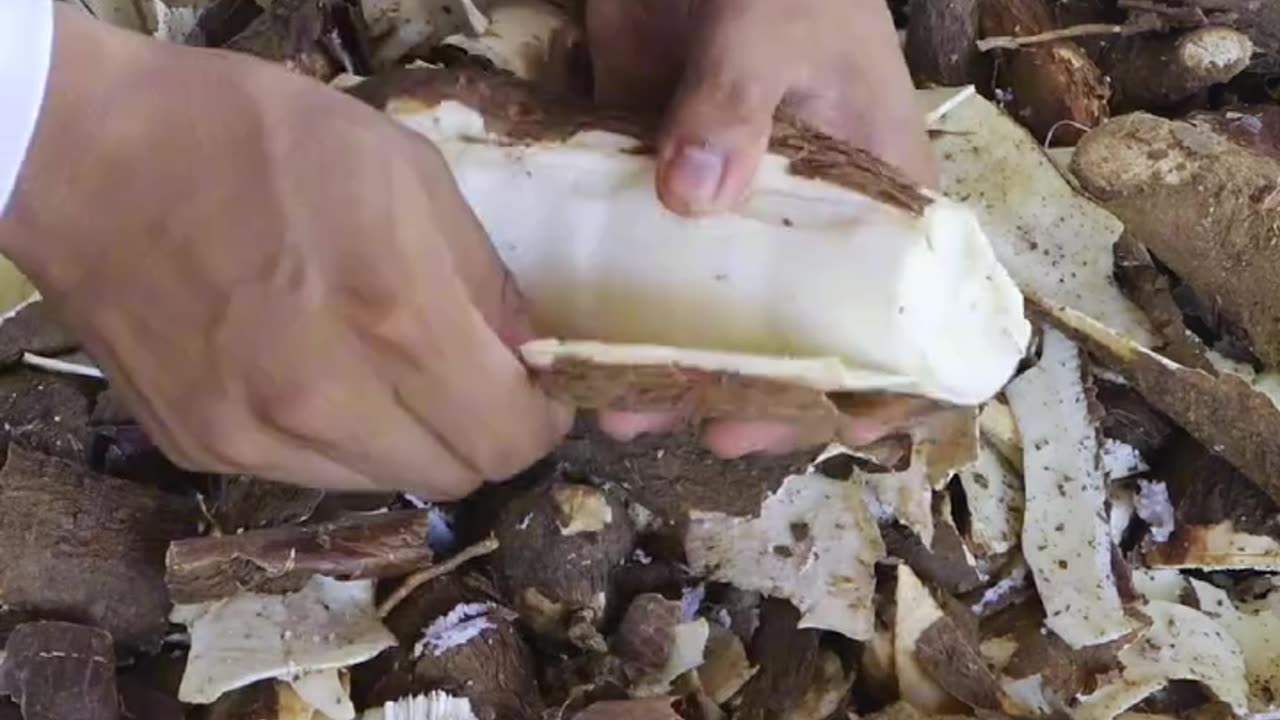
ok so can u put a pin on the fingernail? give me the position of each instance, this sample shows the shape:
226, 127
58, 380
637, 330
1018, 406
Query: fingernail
695, 175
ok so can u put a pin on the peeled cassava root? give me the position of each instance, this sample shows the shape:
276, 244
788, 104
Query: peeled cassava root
835, 277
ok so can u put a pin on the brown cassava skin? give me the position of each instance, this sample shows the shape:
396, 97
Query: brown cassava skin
1049, 82
524, 113
1201, 204
1158, 70
941, 43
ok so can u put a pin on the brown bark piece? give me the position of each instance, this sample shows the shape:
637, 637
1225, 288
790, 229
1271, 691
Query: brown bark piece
1151, 290
35, 328
492, 668
281, 560
944, 565
942, 37
522, 111
1048, 83
559, 546
59, 670
1129, 418
1150, 70
87, 547
1201, 204
243, 502
647, 633
949, 651
45, 413
788, 660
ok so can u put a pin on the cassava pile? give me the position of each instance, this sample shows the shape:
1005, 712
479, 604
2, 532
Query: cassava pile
1089, 529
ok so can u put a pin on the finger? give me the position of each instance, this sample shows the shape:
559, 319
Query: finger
492, 288
736, 438
627, 426
480, 401
719, 123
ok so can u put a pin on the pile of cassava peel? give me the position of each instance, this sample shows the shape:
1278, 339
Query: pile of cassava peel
1087, 527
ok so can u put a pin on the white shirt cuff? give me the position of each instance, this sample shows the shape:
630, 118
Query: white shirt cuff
26, 47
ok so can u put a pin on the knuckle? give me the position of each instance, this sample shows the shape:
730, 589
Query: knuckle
226, 436
294, 408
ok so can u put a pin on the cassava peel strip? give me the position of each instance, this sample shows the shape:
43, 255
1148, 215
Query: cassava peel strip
834, 275
523, 112
278, 560
1223, 412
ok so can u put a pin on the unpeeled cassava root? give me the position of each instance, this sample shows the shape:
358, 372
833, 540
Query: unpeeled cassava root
836, 277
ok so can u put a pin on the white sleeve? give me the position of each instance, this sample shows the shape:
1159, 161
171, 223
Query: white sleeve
26, 46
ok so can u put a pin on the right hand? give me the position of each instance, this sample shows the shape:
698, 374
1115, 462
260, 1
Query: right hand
277, 279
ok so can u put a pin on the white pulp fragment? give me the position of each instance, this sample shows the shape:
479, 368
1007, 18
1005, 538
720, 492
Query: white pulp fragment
237, 641
1121, 460
1180, 644
459, 626
1054, 241
1155, 508
1066, 537
1256, 628
324, 691
436, 705
827, 570
808, 281
995, 498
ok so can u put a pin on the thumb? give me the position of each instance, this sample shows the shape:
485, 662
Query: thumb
717, 128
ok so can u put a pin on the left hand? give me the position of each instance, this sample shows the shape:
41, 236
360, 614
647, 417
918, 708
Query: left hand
720, 69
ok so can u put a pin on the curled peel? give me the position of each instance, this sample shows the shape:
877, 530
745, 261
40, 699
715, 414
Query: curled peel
835, 277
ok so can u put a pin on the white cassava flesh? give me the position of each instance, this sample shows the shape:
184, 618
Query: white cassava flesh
1159, 584
1256, 627
237, 641
916, 611
1054, 241
436, 705
1066, 536
809, 283
1180, 644
827, 571
995, 499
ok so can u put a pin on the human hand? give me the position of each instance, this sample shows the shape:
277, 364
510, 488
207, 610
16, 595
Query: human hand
720, 69
276, 278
